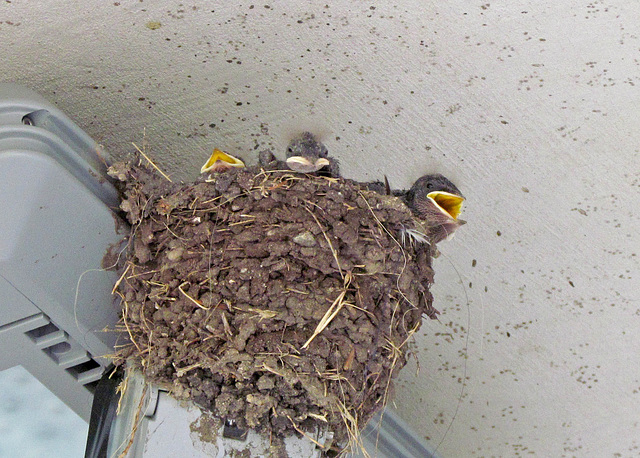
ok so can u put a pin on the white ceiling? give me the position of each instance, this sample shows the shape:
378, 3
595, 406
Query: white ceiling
531, 108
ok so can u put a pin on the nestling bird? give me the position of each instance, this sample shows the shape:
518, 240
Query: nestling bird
437, 201
220, 162
266, 159
306, 154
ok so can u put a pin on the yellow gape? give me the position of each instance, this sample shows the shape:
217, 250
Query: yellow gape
220, 161
448, 203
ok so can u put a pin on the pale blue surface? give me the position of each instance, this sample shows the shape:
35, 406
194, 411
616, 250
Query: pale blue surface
34, 423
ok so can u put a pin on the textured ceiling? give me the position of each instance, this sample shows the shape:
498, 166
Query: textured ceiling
531, 108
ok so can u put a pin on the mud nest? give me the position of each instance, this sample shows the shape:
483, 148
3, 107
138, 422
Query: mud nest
283, 301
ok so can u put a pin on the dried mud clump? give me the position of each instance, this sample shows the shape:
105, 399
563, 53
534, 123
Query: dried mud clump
283, 301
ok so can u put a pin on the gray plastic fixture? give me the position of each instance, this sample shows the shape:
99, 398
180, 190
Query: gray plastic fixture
56, 223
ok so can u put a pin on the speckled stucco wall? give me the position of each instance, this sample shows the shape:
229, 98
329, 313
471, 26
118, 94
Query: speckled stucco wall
532, 108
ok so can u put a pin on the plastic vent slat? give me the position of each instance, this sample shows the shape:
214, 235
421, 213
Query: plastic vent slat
51, 339
71, 359
90, 375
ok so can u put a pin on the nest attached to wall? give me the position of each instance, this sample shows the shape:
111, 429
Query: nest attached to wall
283, 301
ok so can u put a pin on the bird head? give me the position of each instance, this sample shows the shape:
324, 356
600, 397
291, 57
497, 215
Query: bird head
306, 154
436, 200
435, 192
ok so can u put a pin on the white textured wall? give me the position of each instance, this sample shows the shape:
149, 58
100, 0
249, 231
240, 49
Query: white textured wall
532, 108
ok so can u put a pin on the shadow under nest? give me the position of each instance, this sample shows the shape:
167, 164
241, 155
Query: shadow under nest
281, 300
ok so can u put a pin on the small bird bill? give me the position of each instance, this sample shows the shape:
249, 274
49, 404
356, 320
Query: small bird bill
220, 161
446, 202
305, 165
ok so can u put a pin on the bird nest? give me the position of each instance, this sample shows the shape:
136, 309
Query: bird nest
283, 301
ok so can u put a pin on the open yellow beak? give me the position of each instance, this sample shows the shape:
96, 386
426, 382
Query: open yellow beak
448, 203
220, 161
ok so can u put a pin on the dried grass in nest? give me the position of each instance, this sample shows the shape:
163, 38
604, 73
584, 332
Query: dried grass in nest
283, 301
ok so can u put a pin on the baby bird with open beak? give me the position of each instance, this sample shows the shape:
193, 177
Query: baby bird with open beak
219, 161
437, 201
306, 154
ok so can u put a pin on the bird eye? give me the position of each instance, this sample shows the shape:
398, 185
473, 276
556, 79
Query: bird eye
290, 150
429, 186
